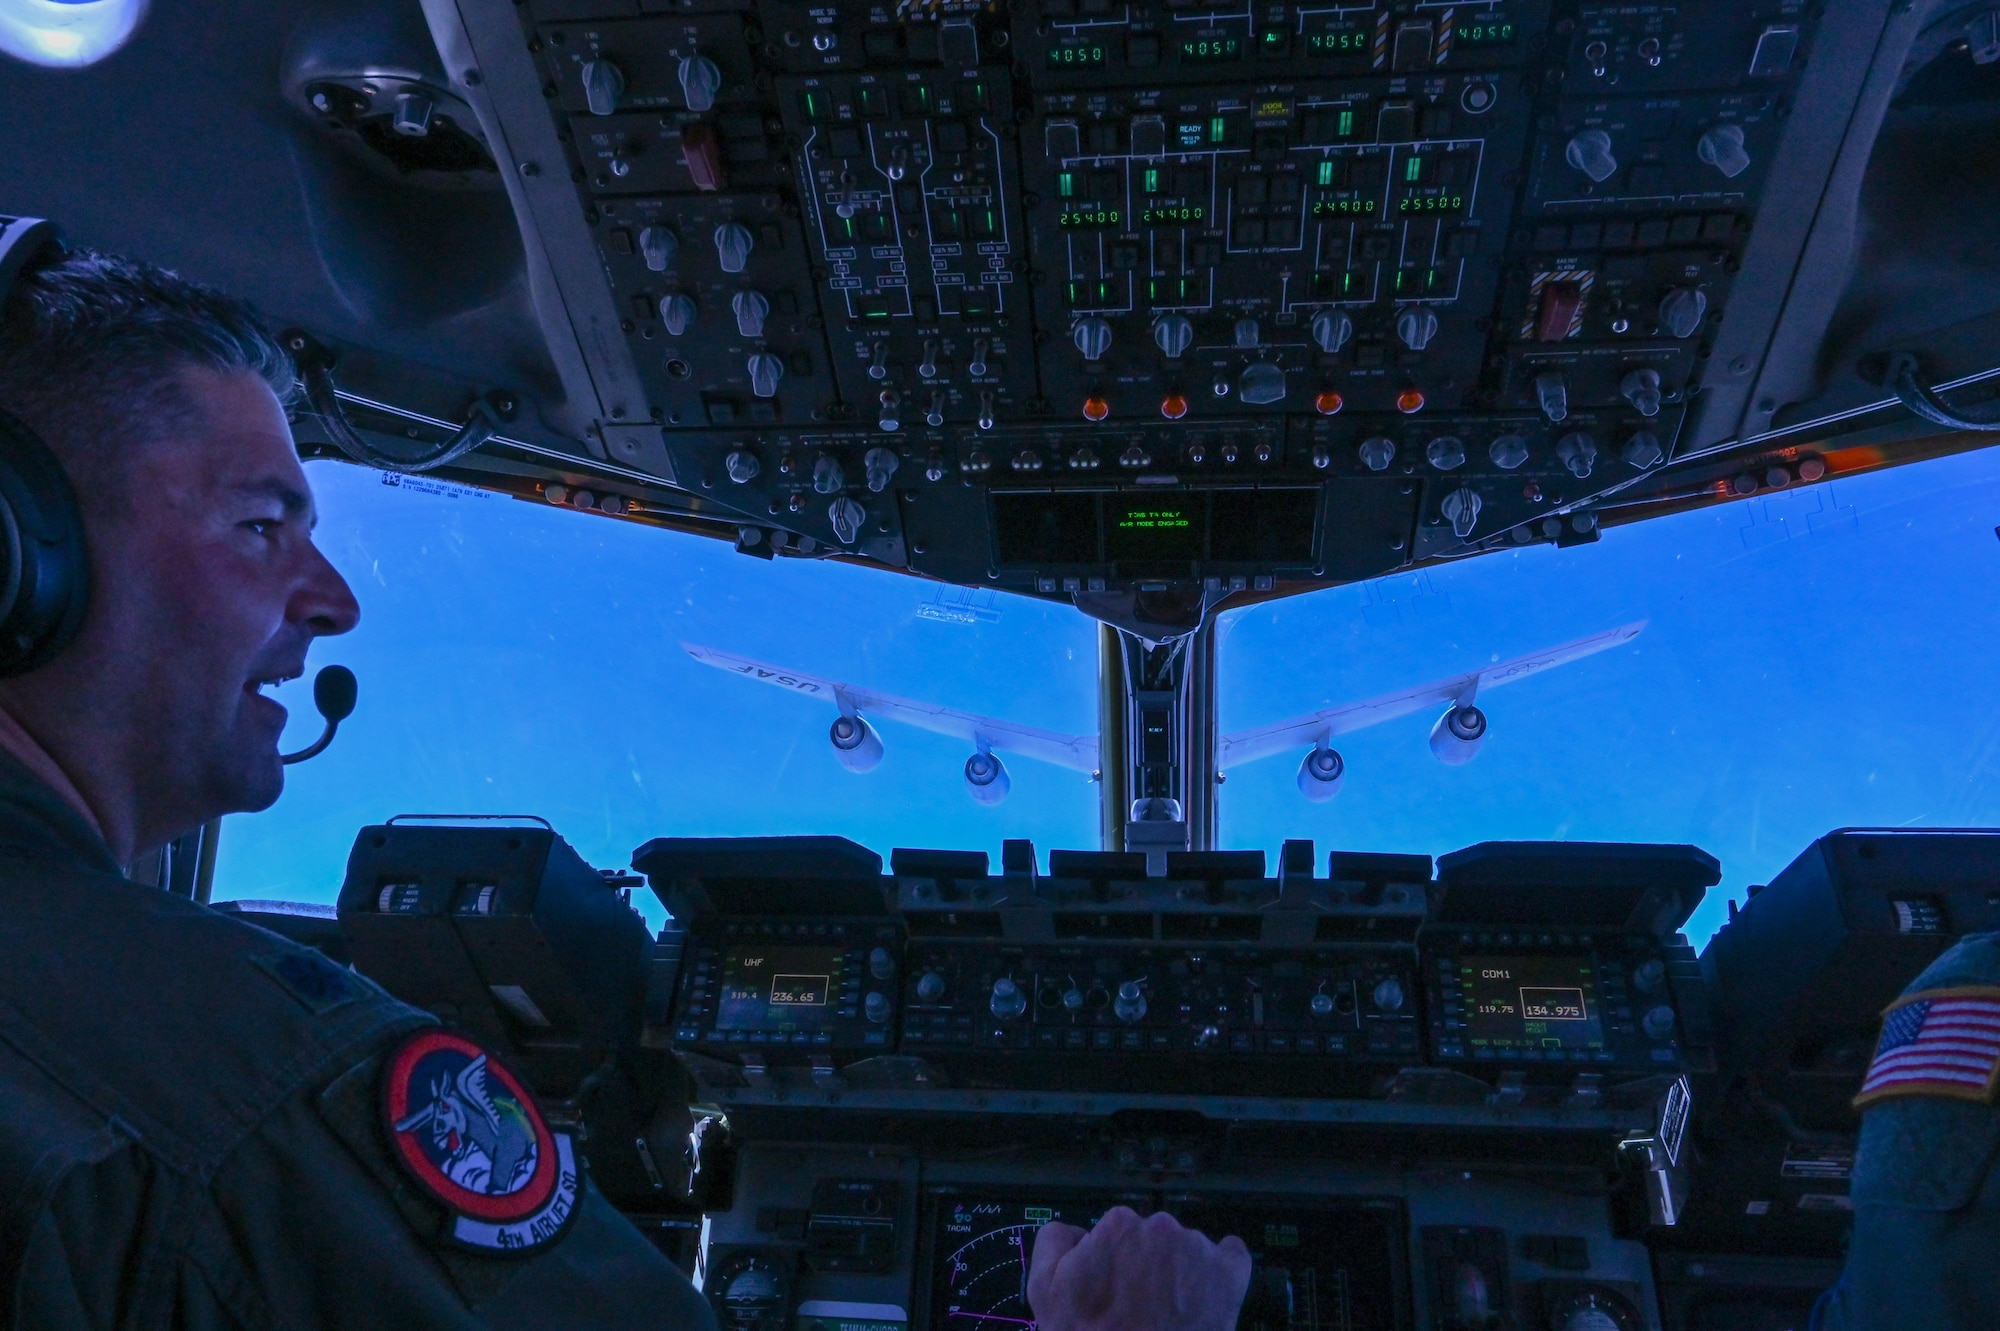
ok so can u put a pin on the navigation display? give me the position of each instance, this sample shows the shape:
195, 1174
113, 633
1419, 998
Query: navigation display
778, 988
1340, 1260
1531, 1002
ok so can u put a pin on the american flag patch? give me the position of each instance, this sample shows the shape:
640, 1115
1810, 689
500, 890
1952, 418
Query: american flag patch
1940, 1042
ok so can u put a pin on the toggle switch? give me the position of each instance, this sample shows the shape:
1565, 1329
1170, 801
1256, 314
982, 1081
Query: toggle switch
1552, 394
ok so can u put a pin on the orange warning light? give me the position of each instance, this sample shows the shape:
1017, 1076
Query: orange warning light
1329, 403
1410, 401
1173, 406
1095, 408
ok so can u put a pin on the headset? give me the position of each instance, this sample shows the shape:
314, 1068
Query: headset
44, 567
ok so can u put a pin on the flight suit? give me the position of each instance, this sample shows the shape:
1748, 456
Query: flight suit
1926, 1189
191, 1133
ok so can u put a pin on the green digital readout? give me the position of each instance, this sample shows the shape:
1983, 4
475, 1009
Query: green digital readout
1088, 219
1343, 207
1089, 56
1338, 41
1155, 517
1430, 205
1484, 34
1202, 50
1173, 214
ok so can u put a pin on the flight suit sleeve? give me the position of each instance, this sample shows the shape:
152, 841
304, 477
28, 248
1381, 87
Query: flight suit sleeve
1926, 1193
333, 1232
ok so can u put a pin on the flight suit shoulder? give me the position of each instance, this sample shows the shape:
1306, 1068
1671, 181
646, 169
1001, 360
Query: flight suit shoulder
1927, 1144
181, 1023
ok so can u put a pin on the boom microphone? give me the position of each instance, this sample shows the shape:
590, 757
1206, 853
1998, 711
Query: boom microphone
334, 691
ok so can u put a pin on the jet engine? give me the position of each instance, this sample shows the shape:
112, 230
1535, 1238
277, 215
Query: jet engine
1320, 774
1457, 735
986, 778
855, 744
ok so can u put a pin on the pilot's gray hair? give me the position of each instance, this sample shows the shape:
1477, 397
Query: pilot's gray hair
93, 348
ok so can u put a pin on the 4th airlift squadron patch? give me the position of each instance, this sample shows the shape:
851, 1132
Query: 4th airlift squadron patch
462, 1125
1940, 1042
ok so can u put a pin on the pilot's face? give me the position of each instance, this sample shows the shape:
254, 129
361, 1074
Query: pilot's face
207, 590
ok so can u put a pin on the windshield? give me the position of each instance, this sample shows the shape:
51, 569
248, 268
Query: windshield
1811, 658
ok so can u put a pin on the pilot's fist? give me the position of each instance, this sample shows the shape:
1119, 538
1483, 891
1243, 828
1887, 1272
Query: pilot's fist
1129, 1274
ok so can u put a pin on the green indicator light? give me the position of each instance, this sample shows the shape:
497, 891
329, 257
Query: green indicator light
847, 224
1152, 180
992, 224
1215, 130
1066, 183
1413, 170
1348, 281
1346, 124
1399, 279
1326, 172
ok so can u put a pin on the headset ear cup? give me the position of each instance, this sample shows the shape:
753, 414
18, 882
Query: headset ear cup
45, 584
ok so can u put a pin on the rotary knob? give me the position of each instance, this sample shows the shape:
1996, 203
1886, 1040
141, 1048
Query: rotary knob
846, 516
603, 85
1658, 1023
1552, 394
765, 371
1007, 1001
1130, 1005
1446, 452
1641, 388
1248, 335
1322, 1004
657, 246
829, 477
1643, 449
1578, 452
1646, 976
1377, 453
1388, 995
1590, 152
1173, 334
1722, 148
1092, 338
1331, 329
1508, 452
742, 466
880, 464
1461, 509
1682, 310
1261, 384
700, 81
751, 310
1072, 998
930, 986
1416, 328
677, 313
733, 243
876, 1007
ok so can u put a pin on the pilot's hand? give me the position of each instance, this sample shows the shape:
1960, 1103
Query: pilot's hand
1129, 1274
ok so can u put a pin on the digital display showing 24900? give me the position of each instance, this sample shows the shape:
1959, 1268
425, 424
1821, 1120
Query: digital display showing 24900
1531, 1002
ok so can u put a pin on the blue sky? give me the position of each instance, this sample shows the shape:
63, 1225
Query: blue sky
1815, 658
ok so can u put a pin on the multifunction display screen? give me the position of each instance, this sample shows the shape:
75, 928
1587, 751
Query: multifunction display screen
1531, 1002
1341, 1258
778, 988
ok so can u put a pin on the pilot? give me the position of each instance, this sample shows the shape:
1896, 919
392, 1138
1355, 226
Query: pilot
202, 1124
1926, 1187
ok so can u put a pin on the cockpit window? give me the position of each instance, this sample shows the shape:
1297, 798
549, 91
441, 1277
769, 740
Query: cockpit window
1810, 658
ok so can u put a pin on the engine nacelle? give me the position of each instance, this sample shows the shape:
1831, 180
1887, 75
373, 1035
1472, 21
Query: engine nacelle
986, 778
855, 744
1320, 774
1457, 735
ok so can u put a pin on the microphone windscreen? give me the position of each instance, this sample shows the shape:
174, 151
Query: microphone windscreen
333, 692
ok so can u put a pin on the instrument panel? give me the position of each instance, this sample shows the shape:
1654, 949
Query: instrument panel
959, 287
